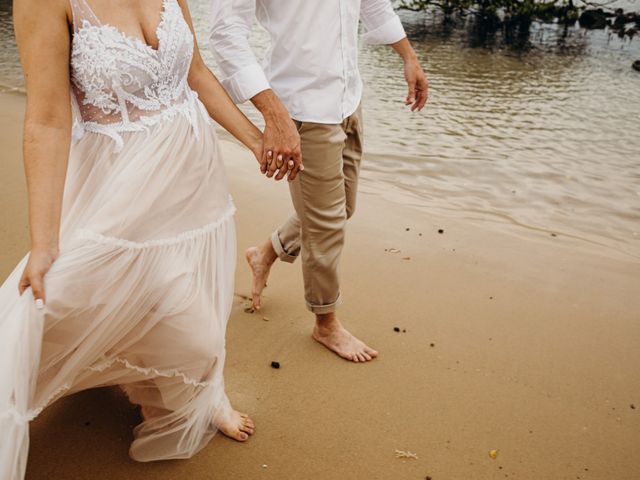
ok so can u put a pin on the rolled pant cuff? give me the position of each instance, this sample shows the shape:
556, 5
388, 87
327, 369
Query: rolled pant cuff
326, 308
279, 249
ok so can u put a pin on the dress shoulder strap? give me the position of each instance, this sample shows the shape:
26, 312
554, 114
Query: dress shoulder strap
82, 12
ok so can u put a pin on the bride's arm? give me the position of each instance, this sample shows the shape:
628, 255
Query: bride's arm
216, 100
42, 34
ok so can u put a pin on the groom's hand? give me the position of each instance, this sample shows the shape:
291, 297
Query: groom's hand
281, 154
417, 85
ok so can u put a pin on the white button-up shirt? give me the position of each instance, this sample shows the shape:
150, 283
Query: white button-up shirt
312, 62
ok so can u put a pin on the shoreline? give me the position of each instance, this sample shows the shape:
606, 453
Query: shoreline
514, 341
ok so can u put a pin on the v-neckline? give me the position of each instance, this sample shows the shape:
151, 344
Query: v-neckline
125, 35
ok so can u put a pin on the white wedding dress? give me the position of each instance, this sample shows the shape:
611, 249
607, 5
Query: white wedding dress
141, 292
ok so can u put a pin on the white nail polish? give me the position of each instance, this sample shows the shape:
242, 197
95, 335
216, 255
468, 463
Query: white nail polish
39, 303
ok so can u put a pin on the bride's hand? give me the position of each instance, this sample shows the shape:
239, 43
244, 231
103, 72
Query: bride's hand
39, 263
257, 150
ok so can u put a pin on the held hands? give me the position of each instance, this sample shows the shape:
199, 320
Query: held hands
39, 263
281, 155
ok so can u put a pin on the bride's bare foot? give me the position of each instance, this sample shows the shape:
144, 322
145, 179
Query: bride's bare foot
237, 426
260, 259
330, 333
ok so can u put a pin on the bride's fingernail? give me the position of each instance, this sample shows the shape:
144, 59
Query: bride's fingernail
39, 303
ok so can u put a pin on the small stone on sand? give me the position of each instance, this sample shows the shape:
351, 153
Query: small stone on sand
275, 365
432, 344
440, 230
396, 329
266, 319
633, 407
493, 454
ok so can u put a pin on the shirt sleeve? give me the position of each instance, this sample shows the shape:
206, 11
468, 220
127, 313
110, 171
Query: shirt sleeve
382, 23
231, 21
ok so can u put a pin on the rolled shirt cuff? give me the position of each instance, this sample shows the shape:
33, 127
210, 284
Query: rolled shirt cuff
389, 32
245, 83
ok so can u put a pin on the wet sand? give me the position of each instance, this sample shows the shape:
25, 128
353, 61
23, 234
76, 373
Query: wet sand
515, 340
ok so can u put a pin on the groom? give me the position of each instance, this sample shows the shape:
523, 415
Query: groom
309, 92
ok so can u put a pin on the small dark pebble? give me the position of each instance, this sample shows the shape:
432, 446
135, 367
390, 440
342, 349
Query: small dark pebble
86, 424
490, 298
427, 477
500, 467
440, 230
419, 234
404, 331
407, 229
275, 364
554, 235
633, 407
396, 329
432, 344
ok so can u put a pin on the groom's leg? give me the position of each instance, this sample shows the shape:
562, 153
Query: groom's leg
286, 240
319, 200
352, 157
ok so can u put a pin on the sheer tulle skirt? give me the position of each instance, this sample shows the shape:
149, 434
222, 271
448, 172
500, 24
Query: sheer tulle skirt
139, 296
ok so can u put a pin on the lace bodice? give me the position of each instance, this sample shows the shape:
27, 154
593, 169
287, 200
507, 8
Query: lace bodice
120, 83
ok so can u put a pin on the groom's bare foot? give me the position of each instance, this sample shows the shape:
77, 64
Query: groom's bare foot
260, 259
237, 426
330, 333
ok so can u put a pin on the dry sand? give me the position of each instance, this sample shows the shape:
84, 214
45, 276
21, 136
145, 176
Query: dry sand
515, 341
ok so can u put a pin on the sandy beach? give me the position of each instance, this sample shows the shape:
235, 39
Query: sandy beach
510, 339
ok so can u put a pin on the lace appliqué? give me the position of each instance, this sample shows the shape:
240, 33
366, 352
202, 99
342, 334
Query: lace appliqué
121, 84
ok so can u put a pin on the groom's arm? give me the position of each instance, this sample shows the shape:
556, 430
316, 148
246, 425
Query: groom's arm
384, 27
244, 79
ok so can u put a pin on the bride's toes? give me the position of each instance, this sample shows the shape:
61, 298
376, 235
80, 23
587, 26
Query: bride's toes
247, 429
238, 426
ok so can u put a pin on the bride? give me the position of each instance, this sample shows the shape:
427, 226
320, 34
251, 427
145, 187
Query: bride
129, 280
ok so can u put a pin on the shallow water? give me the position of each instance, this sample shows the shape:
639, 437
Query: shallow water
548, 139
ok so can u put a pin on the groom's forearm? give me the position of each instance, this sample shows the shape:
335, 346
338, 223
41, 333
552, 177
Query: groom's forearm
270, 106
405, 50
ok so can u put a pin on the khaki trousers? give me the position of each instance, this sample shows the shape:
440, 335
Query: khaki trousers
324, 197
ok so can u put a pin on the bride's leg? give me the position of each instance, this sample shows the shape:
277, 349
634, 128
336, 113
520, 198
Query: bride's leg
183, 402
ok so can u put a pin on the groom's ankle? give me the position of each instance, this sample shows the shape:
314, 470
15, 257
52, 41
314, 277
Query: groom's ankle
326, 320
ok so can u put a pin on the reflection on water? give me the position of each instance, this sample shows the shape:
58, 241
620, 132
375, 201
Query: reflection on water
548, 138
